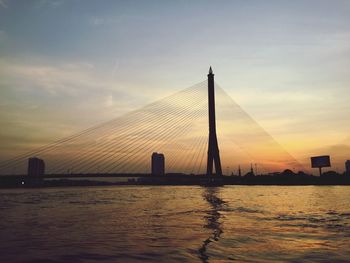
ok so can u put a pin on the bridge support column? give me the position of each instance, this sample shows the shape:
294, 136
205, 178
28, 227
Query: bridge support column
213, 147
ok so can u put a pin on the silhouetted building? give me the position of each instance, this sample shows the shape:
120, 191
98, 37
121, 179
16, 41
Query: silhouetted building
347, 167
158, 166
36, 167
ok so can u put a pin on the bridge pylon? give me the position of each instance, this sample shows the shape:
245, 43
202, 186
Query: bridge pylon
213, 147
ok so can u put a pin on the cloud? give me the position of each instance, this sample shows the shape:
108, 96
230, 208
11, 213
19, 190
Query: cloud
115, 67
120, 19
337, 150
104, 20
68, 91
49, 3
96, 21
109, 101
50, 101
69, 79
3, 3
3, 36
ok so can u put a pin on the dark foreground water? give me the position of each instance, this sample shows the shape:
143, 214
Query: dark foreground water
176, 224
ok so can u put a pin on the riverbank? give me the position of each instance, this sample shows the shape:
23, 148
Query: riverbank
29, 182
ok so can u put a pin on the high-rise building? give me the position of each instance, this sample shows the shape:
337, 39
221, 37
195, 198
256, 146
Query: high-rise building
36, 167
347, 167
158, 164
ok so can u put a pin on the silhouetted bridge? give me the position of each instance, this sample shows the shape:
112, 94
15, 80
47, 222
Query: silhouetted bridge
176, 126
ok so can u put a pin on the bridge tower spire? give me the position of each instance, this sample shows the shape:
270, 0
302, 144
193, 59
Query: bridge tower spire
213, 147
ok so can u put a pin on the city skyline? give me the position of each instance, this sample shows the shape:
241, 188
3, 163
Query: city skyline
286, 64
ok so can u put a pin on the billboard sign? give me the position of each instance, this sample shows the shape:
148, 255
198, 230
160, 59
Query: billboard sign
320, 161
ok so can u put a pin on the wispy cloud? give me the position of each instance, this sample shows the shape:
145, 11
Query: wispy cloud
49, 3
54, 100
3, 36
109, 101
3, 3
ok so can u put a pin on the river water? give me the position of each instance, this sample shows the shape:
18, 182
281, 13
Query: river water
176, 224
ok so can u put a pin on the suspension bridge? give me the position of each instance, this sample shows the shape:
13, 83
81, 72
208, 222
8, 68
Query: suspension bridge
201, 130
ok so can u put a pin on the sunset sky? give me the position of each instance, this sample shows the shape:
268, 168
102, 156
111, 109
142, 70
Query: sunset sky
67, 65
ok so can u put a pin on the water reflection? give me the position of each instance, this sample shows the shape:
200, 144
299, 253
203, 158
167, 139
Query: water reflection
175, 224
212, 220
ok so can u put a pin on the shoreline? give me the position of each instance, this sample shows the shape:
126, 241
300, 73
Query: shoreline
7, 182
